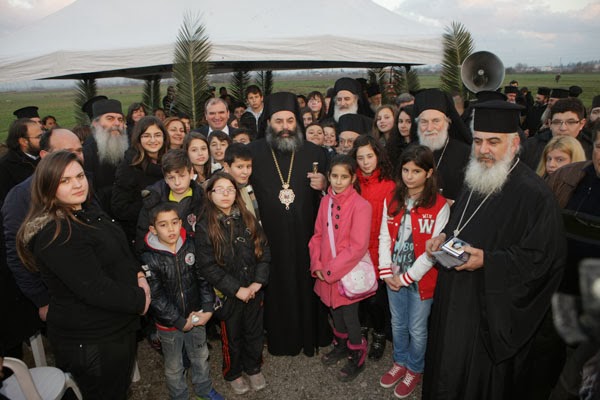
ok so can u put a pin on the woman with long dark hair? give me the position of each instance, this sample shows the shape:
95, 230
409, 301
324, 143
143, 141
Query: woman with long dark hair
413, 213
375, 182
96, 287
316, 103
140, 168
383, 124
135, 112
196, 146
402, 137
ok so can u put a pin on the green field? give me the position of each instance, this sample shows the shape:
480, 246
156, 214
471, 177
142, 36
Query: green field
59, 103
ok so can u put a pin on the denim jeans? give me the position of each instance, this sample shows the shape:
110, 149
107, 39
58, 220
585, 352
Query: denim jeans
409, 327
195, 345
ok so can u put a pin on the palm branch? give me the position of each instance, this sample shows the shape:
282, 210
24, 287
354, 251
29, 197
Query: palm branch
85, 90
405, 82
151, 94
264, 80
239, 82
190, 67
458, 45
379, 77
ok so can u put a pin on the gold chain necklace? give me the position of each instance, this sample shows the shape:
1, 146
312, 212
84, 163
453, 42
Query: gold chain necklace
286, 195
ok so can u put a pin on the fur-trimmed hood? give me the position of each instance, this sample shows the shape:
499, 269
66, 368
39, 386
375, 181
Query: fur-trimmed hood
34, 227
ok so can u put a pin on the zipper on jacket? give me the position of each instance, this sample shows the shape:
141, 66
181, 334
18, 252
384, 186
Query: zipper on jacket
180, 285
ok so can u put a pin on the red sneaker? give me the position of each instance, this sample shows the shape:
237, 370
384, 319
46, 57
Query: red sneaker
407, 385
392, 377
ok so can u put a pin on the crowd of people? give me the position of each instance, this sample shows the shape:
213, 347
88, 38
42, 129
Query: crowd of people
245, 223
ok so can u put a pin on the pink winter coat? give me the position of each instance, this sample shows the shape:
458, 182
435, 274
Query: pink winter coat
351, 220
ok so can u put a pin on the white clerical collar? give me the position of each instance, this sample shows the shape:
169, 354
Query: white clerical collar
226, 129
31, 156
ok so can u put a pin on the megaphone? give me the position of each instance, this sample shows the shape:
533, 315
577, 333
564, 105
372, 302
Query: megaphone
482, 71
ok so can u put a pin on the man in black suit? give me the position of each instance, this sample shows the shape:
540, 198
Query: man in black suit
216, 113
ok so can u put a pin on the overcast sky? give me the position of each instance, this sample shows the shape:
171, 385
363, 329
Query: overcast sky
534, 32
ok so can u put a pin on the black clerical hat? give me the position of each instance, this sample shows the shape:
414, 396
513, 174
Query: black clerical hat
355, 123
27, 112
430, 99
348, 84
559, 93
575, 91
496, 116
280, 101
105, 106
596, 101
373, 90
544, 91
87, 106
511, 89
487, 95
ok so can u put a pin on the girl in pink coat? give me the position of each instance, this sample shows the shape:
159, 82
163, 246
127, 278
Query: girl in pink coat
351, 219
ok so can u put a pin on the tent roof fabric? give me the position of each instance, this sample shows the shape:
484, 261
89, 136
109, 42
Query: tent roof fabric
135, 38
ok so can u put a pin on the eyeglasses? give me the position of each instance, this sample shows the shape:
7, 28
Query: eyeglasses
147, 136
221, 190
569, 122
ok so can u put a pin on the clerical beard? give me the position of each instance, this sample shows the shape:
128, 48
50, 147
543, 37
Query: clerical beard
111, 148
284, 144
338, 112
488, 180
433, 141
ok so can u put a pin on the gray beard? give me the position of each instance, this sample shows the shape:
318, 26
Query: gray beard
111, 148
337, 113
285, 145
434, 142
484, 180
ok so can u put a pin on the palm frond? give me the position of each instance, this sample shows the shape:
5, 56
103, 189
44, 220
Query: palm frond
264, 80
190, 67
151, 94
458, 45
403, 81
239, 82
382, 77
412, 81
85, 90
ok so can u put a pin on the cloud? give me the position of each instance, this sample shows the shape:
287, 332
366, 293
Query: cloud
15, 14
526, 31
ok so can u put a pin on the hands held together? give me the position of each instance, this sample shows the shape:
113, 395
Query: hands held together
246, 294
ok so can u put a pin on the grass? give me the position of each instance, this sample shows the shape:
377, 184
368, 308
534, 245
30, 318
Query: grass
60, 103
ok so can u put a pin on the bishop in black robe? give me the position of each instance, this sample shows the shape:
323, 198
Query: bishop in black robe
295, 319
483, 322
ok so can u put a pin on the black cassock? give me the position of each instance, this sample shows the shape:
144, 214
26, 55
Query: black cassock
295, 319
482, 322
451, 167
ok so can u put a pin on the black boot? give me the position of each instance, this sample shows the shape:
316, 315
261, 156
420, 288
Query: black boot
364, 331
340, 349
356, 362
377, 346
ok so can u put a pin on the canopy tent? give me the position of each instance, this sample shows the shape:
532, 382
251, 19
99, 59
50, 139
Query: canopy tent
135, 38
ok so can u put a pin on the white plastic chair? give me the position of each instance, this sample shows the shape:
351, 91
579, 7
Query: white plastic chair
37, 348
40, 383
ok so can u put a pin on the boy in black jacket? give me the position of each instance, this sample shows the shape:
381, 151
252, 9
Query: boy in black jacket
179, 188
181, 305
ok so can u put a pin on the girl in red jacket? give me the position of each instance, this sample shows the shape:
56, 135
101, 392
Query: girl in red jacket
374, 177
413, 214
351, 220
